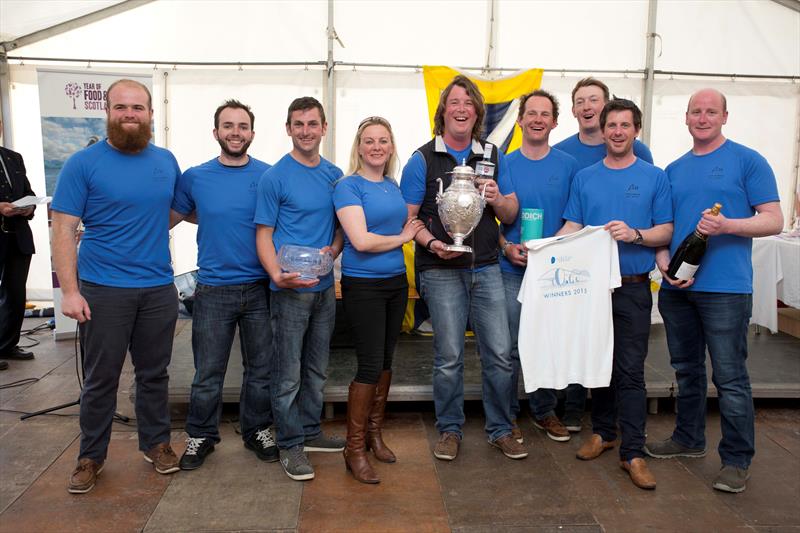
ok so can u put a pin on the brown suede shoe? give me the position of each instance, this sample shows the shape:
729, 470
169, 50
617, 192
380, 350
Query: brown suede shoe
593, 447
163, 458
447, 447
84, 476
510, 447
553, 427
640, 474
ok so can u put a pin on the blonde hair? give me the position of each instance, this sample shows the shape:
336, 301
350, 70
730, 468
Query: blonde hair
356, 164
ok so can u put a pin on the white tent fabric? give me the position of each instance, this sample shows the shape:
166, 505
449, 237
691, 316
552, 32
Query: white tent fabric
386, 40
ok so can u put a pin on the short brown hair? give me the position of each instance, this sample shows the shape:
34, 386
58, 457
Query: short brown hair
621, 104
544, 94
234, 104
305, 103
477, 100
588, 82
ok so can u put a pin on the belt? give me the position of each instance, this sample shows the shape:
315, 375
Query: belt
636, 278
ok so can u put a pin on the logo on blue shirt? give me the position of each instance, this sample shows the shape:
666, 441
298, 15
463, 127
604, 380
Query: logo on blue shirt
632, 191
717, 173
159, 174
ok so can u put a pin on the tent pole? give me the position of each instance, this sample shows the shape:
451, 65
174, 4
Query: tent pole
330, 88
491, 40
5, 104
649, 78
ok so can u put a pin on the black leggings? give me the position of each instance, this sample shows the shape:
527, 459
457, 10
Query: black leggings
374, 308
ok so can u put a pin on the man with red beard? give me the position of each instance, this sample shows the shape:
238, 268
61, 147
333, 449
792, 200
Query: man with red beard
120, 286
232, 289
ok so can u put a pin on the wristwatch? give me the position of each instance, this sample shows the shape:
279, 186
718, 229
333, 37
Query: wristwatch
638, 239
504, 247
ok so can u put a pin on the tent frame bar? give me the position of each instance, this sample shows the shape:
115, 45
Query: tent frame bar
554, 71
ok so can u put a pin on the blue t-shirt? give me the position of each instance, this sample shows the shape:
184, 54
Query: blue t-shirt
123, 200
297, 201
224, 199
587, 154
737, 177
412, 183
385, 212
543, 184
638, 195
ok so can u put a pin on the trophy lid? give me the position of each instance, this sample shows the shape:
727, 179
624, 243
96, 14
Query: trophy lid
463, 171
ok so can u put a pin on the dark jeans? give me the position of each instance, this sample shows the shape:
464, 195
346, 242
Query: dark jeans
627, 395
217, 312
139, 320
374, 308
695, 321
302, 325
13, 277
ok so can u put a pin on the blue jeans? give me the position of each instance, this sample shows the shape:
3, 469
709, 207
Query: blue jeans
626, 398
542, 402
695, 321
302, 324
453, 297
217, 312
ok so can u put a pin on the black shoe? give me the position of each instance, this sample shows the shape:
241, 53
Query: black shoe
197, 449
17, 353
3, 365
262, 443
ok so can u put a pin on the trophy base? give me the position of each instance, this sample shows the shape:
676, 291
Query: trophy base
458, 248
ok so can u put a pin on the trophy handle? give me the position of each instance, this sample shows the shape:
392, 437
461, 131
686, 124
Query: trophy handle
483, 191
441, 189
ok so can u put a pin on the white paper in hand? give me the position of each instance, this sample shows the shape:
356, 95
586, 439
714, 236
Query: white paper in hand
32, 200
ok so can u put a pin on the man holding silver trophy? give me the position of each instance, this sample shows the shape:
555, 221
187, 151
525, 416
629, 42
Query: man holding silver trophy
460, 285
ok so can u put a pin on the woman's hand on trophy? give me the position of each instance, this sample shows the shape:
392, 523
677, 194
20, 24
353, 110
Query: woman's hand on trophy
411, 228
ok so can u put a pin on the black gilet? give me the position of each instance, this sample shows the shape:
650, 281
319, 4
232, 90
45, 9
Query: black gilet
483, 239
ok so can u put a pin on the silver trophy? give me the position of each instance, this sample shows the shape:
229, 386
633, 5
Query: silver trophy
460, 206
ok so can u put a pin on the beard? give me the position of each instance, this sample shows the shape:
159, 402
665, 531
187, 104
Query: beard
230, 153
124, 140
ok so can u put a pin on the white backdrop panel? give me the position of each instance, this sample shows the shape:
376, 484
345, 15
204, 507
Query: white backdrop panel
194, 96
761, 115
397, 96
411, 32
735, 36
579, 34
199, 30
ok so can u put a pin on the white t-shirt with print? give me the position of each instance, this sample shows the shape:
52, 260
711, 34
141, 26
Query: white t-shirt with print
566, 333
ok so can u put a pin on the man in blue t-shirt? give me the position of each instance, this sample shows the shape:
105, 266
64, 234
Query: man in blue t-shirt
589, 96
631, 199
712, 310
460, 286
541, 178
232, 289
120, 286
294, 206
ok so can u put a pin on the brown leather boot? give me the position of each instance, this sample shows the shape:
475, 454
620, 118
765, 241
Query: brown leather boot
359, 401
374, 437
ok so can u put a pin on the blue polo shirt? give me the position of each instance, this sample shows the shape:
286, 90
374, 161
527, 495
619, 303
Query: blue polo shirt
224, 199
297, 201
737, 177
123, 200
543, 184
638, 195
385, 213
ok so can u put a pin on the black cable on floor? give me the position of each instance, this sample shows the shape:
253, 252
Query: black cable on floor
18, 383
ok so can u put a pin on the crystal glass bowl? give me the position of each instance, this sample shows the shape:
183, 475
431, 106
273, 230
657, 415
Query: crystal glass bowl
310, 262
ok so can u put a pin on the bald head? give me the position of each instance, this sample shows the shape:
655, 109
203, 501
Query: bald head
129, 83
712, 94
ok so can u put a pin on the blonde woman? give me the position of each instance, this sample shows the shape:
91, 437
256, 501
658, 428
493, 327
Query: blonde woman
373, 215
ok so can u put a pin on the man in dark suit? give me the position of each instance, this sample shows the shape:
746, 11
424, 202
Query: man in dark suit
16, 248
